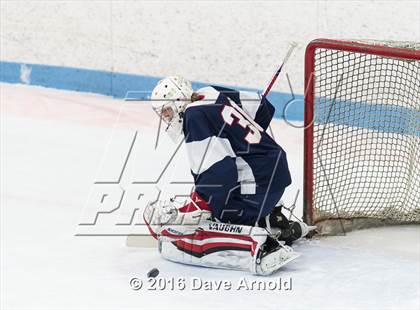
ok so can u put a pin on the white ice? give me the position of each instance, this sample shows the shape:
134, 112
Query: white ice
55, 144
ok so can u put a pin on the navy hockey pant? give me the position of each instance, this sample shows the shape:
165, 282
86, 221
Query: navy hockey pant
247, 209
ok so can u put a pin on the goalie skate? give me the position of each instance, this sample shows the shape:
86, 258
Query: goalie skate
284, 229
273, 259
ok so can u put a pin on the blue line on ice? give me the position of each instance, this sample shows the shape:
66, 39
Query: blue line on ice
399, 119
114, 84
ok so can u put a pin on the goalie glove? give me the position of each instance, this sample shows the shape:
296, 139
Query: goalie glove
160, 213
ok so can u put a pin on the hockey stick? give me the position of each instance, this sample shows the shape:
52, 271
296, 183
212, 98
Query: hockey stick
141, 241
276, 75
267, 90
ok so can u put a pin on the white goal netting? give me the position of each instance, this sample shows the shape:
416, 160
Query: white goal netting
366, 139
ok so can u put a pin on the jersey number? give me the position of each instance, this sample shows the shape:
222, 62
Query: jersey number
230, 115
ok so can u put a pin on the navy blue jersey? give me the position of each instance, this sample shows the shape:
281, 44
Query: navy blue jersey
233, 160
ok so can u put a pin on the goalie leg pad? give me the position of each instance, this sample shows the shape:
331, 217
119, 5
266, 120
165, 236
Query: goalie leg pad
216, 245
220, 245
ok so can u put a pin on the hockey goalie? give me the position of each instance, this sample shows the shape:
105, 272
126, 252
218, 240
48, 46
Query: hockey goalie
233, 218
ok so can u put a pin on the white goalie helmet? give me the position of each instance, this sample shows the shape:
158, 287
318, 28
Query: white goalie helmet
170, 97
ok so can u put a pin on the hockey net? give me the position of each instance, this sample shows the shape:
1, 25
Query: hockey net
362, 134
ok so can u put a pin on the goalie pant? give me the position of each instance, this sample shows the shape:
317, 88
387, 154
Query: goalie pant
213, 244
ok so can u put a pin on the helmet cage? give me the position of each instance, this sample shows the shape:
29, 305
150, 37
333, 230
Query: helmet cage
167, 111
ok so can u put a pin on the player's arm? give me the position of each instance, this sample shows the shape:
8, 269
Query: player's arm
212, 160
258, 107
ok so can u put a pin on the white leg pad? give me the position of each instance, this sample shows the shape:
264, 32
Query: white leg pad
220, 245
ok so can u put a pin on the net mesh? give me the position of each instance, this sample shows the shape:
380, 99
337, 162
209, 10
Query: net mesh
366, 140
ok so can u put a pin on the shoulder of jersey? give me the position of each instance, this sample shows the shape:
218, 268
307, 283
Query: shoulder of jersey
209, 95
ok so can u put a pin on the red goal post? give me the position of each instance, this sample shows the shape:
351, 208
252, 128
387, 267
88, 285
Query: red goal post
357, 95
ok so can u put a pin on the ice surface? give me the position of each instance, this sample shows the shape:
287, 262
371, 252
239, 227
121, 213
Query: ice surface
52, 150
